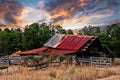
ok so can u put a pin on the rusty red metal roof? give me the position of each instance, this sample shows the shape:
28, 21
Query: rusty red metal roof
67, 41
34, 51
73, 42
58, 51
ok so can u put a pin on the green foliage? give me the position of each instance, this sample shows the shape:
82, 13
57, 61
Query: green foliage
61, 57
109, 37
37, 59
34, 36
93, 31
29, 57
60, 30
52, 57
69, 31
10, 41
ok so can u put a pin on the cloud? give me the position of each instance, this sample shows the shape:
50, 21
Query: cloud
14, 14
41, 4
64, 9
38, 14
10, 12
57, 12
63, 12
105, 22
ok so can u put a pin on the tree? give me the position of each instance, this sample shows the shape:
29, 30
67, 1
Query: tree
60, 30
93, 31
69, 31
36, 35
109, 37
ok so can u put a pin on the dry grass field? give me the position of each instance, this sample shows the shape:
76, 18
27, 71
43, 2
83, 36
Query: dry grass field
61, 73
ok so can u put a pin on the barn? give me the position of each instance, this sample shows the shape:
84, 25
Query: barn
67, 44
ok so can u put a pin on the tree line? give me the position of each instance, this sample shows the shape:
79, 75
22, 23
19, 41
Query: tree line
35, 35
109, 37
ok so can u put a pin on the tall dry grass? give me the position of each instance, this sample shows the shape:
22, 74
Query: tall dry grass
64, 72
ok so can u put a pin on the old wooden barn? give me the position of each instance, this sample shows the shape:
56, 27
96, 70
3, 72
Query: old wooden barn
67, 44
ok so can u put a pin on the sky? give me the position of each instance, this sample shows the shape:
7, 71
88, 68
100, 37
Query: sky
71, 14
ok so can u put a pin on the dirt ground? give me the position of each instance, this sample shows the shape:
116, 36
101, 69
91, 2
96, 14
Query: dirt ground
113, 77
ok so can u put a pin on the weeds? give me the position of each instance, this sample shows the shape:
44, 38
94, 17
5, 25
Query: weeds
68, 72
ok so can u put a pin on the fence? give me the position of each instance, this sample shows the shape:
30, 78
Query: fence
92, 61
4, 63
10, 59
100, 61
82, 61
95, 61
14, 59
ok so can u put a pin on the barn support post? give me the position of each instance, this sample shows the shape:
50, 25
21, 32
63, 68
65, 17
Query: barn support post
91, 61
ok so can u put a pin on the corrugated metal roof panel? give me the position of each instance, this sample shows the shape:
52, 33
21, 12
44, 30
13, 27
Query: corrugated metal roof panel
54, 41
58, 51
73, 42
34, 51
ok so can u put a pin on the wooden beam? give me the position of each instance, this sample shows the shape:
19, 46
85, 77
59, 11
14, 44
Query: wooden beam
82, 50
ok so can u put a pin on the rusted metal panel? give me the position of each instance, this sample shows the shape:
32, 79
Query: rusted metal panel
34, 51
59, 51
74, 42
